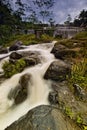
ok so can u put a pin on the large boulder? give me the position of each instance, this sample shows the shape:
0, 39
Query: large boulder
58, 71
15, 55
30, 57
15, 46
20, 93
43, 118
3, 50
62, 52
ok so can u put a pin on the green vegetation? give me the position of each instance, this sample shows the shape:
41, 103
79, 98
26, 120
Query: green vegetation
79, 120
79, 74
13, 68
69, 113
29, 39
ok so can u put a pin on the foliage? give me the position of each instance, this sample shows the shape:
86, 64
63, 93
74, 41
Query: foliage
13, 68
44, 9
79, 120
46, 38
79, 74
69, 112
84, 127
82, 19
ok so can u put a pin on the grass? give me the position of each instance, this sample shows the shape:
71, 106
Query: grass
79, 74
28, 39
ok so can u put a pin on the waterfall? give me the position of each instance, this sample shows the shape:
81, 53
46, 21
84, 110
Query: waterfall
38, 88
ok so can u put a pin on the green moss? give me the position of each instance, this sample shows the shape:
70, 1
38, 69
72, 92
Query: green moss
79, 120
69, 113
11, 69
84, 127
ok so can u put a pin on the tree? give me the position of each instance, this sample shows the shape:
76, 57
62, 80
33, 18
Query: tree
68, 21
43, 8
51, 21
82, 19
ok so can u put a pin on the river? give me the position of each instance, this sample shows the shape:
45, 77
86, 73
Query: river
38, 87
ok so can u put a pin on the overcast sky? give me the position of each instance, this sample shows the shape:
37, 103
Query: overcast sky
62, 8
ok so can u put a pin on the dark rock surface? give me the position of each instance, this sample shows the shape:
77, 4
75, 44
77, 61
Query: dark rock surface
15, 46
20, 93
79, 92
43, 118
3, 50
30, 57
15, 55
61, 52
53, 97
58, 70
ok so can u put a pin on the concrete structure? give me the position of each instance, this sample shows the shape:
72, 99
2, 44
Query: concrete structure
67, 31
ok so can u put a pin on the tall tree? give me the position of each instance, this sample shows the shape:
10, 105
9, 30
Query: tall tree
43, 8
82, 19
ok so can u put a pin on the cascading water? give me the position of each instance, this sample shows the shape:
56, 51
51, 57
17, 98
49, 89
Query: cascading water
38, 88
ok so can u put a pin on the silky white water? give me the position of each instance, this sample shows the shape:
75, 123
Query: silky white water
38, 88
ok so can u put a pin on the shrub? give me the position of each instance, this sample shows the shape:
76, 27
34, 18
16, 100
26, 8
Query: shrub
46, 38
79, 74
11, 69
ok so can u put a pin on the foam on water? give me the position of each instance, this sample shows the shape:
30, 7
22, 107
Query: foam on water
38, 88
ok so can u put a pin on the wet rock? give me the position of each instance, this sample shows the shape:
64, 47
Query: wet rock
20, 93
61, 52
15, 55
15, 46
53, 97
30, 57
79, 92
30, 53
24, 80
58, 70
3, 50
30, 61
43, 118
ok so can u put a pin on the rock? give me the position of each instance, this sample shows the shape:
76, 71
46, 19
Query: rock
30, 57
31, 61
79, 92
43, 118
58, 70
53, 97
20, 93
15, 55
24, 80
61, 52
15, 46
3, 50
30, 53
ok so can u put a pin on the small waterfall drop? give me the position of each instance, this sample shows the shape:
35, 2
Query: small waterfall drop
38, 88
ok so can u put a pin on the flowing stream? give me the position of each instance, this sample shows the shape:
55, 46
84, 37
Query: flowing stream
38, 87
